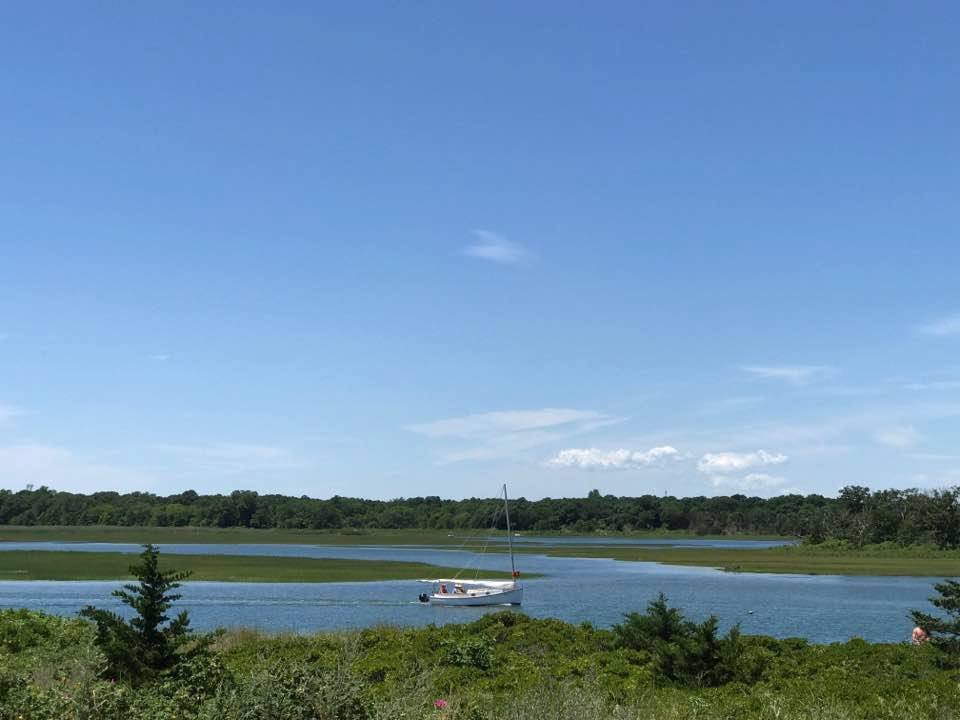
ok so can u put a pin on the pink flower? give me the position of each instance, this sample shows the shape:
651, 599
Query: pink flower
440, 704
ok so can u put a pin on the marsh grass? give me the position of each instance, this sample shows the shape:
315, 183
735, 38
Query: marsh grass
65, 565
828, 559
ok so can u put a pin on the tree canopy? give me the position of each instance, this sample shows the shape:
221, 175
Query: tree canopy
858, 515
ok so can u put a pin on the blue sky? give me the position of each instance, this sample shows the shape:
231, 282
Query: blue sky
392, 249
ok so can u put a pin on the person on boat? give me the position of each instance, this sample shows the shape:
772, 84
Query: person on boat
458, 589
443, 589
919, 636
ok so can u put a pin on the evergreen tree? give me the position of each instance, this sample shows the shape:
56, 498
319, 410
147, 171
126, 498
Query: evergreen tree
147, 644
683, 652
944, 631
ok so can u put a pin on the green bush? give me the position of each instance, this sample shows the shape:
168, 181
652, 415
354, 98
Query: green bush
537, 669
290, 691
474, 651
148, 643
683, 652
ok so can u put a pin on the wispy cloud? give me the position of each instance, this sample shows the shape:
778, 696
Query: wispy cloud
234, 457
158, 357
899, 436
731, 462
8, 412
816, 434
934, 385
793, 374
62, 469
480, 424
596, 459
946, 326
752, 481
508, 432
935, 457
496, 248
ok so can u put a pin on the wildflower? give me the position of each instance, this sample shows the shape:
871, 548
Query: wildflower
440, 704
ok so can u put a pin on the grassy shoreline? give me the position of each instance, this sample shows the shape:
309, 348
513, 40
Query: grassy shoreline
140, 535
800, 559
919, 561
54, 565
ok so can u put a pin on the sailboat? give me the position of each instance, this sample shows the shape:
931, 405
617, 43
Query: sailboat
470, 593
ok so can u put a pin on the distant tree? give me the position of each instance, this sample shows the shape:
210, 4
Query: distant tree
943, 517
148, 643
944, 631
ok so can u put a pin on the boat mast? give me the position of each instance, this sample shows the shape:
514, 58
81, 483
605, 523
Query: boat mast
506, 507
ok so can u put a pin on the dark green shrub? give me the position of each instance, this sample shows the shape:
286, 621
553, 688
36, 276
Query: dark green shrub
944, 631
682, 652
474, 651
143, 646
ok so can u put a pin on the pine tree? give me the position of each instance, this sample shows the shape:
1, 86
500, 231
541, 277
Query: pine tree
145, 645
682, 652
944, 632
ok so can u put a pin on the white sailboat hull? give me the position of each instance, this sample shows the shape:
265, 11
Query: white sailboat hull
455, 592
471, 598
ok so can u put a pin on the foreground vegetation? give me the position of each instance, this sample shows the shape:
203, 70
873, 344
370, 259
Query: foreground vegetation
503, 666
857, 515
44, 565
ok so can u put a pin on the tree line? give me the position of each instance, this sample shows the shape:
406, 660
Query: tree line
857, 515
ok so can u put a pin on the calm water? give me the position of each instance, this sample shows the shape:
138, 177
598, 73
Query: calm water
821, 608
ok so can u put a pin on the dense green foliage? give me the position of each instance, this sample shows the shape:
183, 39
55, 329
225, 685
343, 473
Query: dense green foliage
51, 668
683, 652
147, 644
944, 630
856, 515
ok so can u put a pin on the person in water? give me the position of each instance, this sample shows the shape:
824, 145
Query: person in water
919, 636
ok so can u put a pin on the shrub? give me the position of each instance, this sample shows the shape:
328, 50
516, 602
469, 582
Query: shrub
944, 631
475, 651
291, 691
682, 652
144, 646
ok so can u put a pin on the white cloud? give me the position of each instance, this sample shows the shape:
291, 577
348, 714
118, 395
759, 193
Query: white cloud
793, 374
752, 481
159, 357
900, 436
509, 432
496, 248
62, 469
731, 462
947, 326
596, 459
